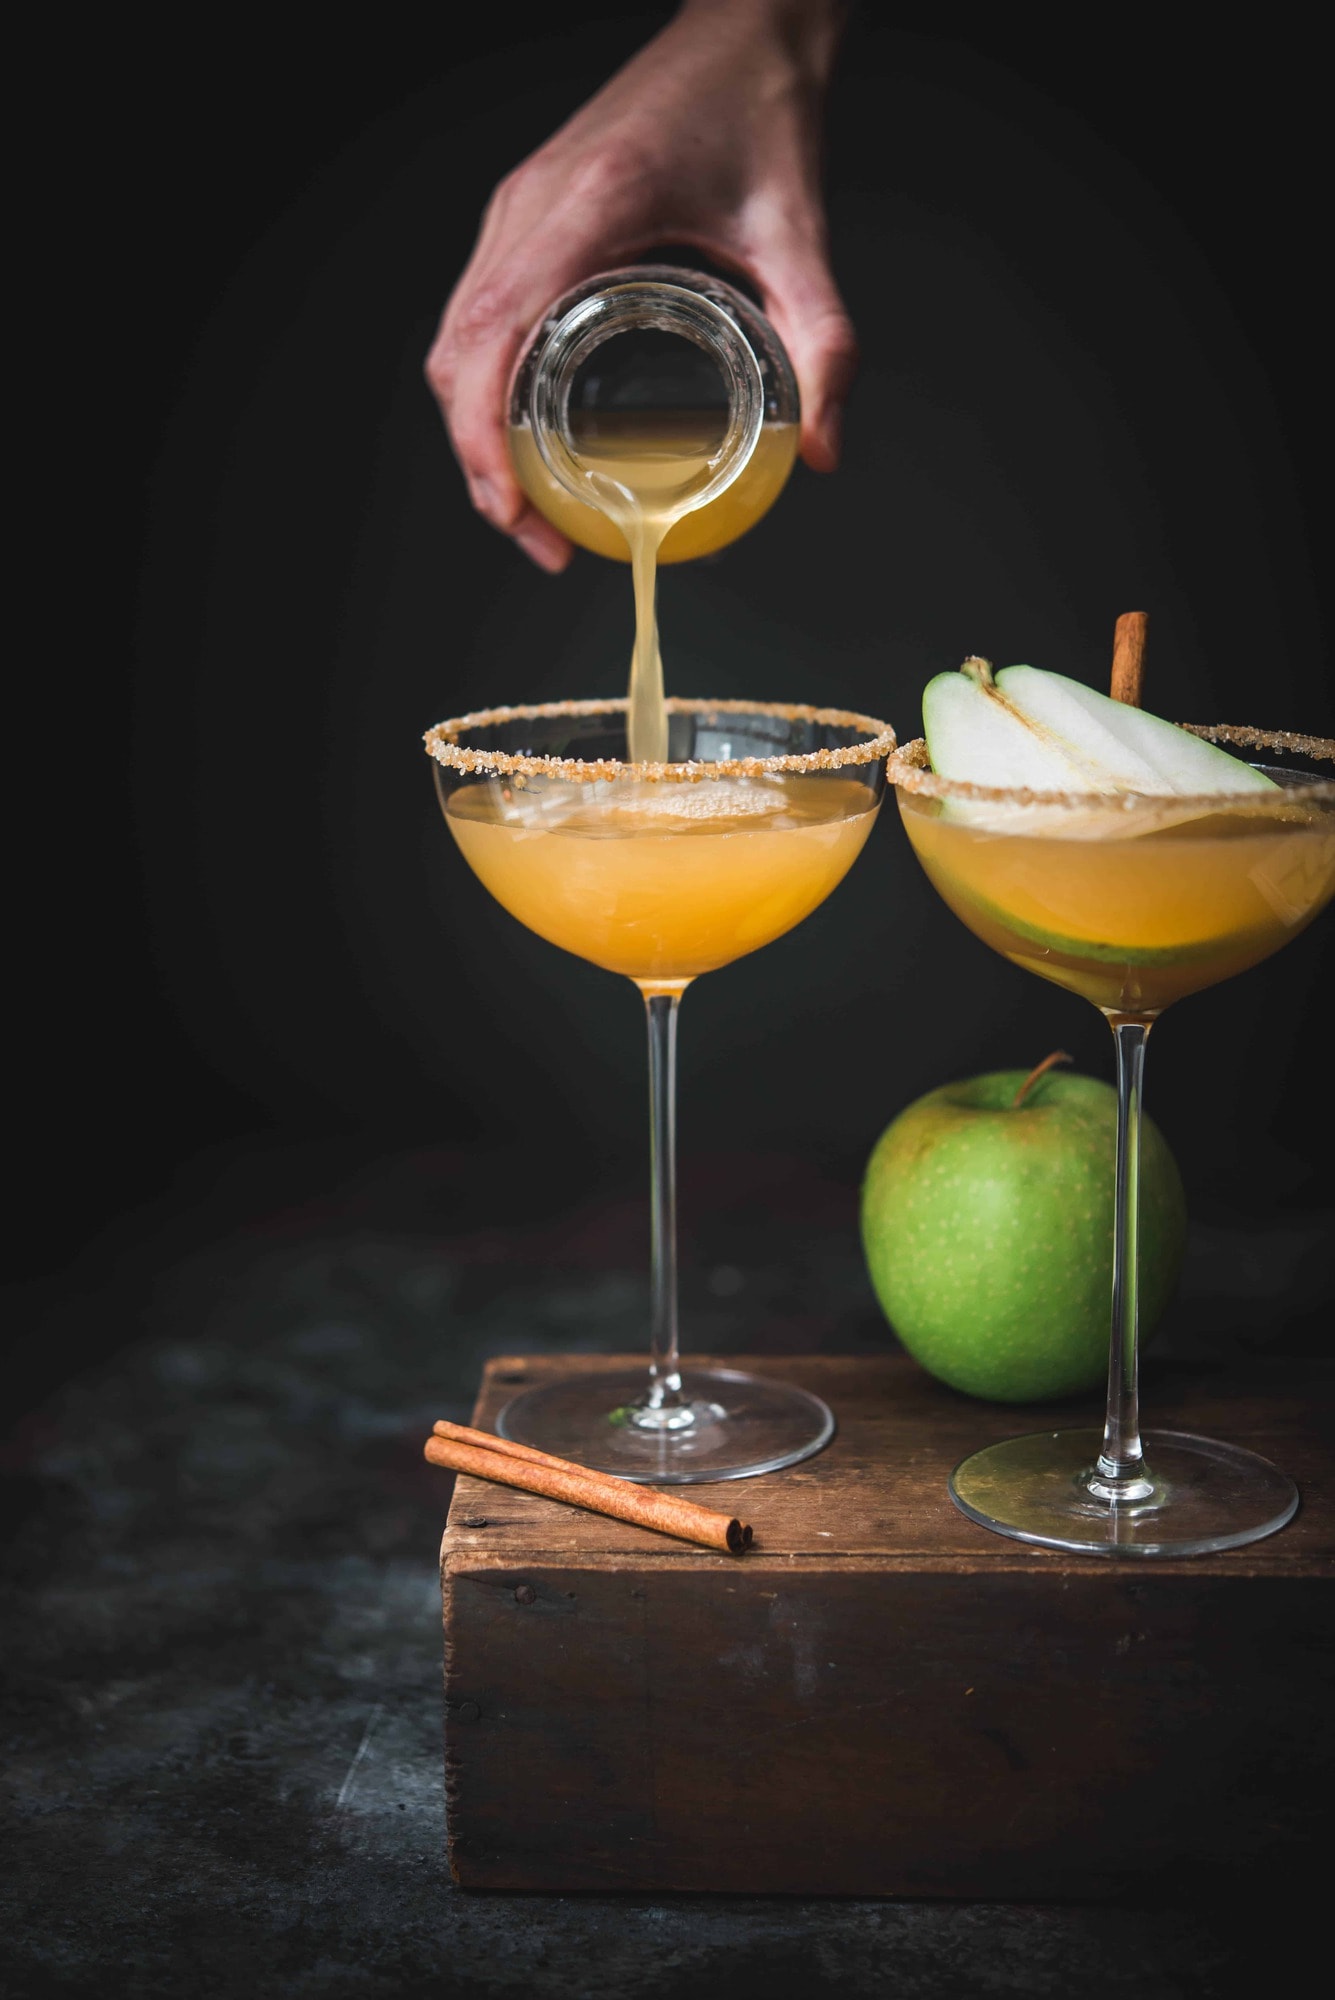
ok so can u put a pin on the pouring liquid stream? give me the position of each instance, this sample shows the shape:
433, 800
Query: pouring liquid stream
644, 473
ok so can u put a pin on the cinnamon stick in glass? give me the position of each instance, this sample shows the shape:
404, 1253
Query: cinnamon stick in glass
1128, 667
457, 1448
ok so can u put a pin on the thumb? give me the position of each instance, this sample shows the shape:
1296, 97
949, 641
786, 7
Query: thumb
812, 321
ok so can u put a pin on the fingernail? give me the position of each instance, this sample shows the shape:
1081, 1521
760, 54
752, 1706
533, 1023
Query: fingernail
486, 499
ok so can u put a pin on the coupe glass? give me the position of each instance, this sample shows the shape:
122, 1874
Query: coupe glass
661, 872
1133, 903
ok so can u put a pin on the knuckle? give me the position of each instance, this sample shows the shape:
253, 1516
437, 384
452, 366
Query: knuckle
839, 337
482, 313
619, 166
440, 371
506, 188
832, 335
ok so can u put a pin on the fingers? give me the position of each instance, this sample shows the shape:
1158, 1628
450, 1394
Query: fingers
824, 352
541, 542
803, 301
468, 371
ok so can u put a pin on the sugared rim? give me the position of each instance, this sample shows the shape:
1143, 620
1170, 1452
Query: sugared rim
910, 769
442, 743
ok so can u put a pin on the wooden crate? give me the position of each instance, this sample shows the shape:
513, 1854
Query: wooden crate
882, 1698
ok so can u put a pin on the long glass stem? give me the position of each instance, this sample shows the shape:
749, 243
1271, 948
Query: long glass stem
664, 1391
1121, 1473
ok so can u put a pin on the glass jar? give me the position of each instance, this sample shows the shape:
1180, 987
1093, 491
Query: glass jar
674, 378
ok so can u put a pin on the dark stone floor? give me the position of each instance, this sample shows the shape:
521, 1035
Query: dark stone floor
222, 1704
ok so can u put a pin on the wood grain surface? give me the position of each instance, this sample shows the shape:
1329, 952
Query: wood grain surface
879, 1488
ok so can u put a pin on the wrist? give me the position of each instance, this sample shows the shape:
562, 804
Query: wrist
805, 32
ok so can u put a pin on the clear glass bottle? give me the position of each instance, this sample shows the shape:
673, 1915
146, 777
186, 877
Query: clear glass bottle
664, 378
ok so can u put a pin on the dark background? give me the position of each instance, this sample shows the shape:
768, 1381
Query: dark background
1092, 381
302, 1128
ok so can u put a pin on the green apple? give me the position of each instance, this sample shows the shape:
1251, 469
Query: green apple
987, 1221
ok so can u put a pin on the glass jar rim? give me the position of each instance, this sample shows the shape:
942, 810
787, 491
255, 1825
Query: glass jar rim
442, 743
740, 305
614, 311
908, 768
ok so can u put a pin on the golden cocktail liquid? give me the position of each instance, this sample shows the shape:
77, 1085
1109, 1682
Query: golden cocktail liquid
663, 881
643, 469
752, 494
1132, 921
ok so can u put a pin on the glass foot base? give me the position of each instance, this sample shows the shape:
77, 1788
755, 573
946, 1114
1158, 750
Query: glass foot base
1204, 1495
736, 1426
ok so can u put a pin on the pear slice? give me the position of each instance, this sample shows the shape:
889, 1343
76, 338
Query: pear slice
1142, 752
974, 733
1042, 731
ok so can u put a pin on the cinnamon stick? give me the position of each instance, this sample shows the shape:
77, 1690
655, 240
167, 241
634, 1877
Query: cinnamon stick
531, 1471
490, 1441
1128, 667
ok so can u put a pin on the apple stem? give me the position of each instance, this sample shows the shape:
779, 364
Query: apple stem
1058, 1055
978, 669
1128, 667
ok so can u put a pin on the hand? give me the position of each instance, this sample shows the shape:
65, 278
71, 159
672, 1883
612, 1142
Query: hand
710, 136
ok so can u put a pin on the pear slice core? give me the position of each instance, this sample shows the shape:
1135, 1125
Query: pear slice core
975, 734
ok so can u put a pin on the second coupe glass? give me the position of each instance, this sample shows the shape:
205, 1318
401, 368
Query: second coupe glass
1132, 902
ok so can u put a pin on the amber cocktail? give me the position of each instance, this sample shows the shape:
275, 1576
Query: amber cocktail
661, 872
1132, 902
